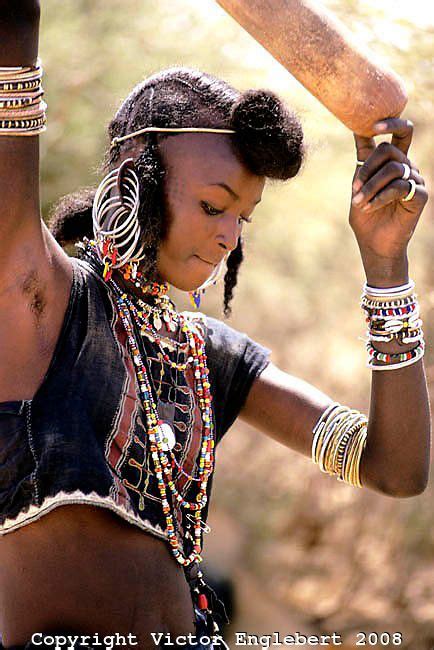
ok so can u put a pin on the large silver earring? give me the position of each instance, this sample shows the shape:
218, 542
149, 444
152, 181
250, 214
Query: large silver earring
116, 226
196, 295
215, 275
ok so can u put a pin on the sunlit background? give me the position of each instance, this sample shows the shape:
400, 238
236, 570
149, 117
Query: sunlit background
302, 552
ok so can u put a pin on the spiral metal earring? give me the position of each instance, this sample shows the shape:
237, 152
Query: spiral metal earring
116, 226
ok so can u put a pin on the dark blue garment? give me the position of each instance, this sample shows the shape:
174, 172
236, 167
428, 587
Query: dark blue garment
82, 438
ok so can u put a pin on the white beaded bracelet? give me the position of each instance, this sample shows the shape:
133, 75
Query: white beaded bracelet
388, 291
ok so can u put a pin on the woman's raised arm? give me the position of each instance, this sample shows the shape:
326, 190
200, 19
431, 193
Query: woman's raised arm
388, 198
19, 156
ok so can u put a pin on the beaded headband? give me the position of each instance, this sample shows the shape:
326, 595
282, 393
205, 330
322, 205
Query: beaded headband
157, 129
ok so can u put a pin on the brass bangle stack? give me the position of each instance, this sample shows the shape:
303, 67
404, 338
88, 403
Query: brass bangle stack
339, 438
22, 109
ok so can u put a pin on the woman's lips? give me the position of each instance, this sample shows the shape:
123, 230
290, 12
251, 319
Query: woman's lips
206, 261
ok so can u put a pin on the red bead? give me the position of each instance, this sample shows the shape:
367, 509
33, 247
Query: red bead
202, 601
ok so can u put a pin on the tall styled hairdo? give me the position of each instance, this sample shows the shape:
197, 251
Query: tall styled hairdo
268, 140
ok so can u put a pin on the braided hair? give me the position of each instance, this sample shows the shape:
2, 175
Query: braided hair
268, 140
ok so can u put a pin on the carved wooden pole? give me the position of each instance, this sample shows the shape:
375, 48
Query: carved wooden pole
321, 53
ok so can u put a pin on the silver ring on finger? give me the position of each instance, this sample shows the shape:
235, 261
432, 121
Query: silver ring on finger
406, 173
412, 191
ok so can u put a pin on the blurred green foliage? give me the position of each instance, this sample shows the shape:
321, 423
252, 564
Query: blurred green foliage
298, 291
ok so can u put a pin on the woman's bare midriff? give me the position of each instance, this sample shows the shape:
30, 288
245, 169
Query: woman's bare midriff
83, 569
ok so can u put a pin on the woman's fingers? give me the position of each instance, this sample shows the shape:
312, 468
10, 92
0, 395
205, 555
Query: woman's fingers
402, 132
384, 152
364, 146
385, 175
397, 190
374, 157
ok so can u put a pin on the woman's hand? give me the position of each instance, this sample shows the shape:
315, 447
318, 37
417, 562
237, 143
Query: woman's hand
382, 221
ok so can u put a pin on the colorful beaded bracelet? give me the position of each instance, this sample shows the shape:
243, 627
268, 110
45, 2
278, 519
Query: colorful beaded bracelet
403, 359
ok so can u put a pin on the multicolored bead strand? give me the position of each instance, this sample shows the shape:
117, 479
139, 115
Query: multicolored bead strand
163, 469
163, 458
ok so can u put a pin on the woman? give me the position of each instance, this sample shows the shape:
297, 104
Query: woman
112, 401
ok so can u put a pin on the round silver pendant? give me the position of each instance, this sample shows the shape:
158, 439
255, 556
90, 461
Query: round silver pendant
168, 436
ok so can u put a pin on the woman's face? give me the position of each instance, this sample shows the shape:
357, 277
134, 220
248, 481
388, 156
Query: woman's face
210, 196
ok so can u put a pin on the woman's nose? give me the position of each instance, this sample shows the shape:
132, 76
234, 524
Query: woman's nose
228, 232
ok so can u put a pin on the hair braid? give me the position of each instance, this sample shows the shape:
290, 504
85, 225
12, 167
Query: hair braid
231, 276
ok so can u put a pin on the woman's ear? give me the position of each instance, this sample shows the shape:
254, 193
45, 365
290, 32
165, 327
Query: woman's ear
127, 164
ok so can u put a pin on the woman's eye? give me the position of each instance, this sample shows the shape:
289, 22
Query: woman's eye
209, 209
212, 211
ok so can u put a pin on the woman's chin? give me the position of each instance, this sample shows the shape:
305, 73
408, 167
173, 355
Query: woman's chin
187, 277
186, 283
182, 285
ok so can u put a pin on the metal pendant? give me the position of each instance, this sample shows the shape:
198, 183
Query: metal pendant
157, 322
168, 436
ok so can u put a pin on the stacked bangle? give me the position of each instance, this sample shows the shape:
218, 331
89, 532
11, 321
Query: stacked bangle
339, 438
387, 293
402, 358
392, 314
22, 109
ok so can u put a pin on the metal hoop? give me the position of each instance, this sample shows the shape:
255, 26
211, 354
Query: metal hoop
114, 215
406, 173
411, 192
215, 275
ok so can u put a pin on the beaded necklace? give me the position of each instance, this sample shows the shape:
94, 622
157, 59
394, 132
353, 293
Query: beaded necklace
147, 318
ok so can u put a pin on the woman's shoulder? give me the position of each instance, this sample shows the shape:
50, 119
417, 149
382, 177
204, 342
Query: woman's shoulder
90, 286
225, 345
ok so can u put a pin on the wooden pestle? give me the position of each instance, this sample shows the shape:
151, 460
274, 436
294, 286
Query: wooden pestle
321, 53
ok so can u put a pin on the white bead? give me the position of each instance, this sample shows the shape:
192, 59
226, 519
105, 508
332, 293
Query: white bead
157, 322
168, 436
